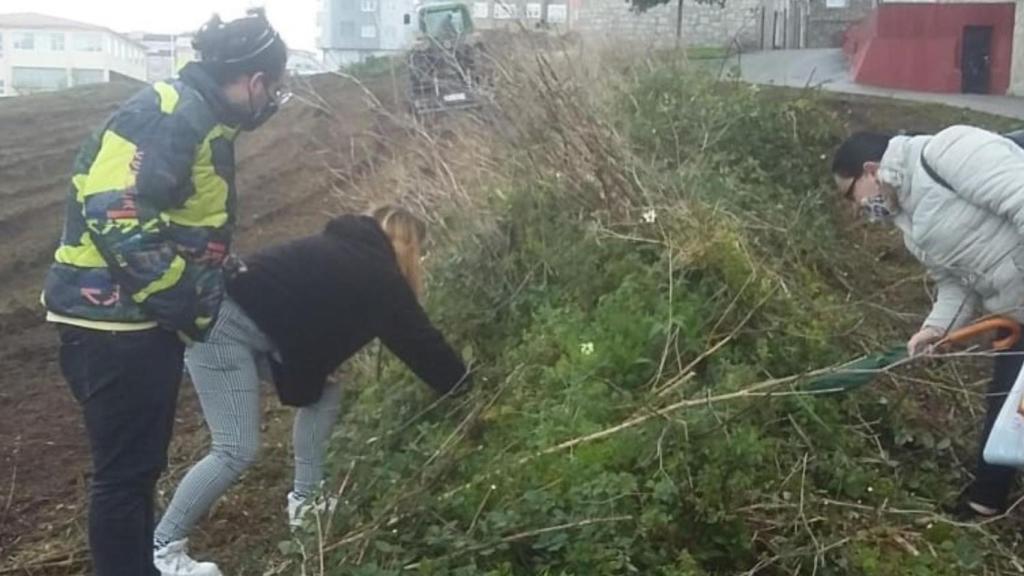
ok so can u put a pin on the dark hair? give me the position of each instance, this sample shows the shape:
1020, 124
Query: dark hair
243, 46
857, 150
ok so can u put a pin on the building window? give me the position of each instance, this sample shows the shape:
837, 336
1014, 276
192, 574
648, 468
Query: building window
481, 10
87, 42
368, 5
368, 31
80, 76
503, 11
557, 13
533, 11
54, 42
24, 41
837, 3
25, 80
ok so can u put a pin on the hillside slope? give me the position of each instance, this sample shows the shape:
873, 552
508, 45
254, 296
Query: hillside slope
556, 288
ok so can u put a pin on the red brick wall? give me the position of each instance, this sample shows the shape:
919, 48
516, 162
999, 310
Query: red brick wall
918, 46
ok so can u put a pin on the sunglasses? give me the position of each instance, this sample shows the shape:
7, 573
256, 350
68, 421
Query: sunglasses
282, 95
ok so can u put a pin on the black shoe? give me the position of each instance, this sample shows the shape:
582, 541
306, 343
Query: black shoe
963, 511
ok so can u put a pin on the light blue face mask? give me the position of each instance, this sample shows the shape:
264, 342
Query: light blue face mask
877, 210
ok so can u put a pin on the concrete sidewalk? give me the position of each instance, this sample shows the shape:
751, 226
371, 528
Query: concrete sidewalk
826, 68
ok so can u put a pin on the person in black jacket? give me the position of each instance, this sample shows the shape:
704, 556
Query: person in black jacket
298, 311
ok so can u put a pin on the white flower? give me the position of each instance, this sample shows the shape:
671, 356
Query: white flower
650, 216
587, 348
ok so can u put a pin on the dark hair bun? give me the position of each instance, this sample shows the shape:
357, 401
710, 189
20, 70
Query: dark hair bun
208, 39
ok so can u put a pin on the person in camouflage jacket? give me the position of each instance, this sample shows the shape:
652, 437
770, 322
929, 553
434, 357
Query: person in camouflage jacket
139, 271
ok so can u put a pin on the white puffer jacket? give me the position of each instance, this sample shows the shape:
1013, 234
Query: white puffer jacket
969, 236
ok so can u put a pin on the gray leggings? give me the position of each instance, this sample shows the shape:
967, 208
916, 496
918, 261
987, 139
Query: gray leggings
226, 372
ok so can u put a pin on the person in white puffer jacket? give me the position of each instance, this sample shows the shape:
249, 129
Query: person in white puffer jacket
958, 199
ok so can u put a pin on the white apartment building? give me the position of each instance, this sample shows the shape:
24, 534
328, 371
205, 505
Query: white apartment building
183, 51
40, 53
353, 30
166, 54
159, 54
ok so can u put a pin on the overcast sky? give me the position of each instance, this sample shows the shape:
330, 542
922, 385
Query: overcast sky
294, 19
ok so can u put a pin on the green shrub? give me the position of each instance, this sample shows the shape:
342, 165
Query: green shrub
584, 321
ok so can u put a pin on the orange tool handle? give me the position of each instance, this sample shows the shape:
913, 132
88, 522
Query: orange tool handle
984, 326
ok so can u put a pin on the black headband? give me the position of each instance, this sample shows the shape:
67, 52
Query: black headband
268, 36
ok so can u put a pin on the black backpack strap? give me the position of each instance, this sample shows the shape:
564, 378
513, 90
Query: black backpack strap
933, 174
1017, 137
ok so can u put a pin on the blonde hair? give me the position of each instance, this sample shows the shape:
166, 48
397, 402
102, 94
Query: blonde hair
407, 233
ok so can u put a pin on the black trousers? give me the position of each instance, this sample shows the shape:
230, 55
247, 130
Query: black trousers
992, 484
127, 385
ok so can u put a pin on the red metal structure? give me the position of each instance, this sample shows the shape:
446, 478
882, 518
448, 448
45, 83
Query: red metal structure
934, 47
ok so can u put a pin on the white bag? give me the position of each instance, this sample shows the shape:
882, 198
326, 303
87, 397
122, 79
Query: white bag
1005, 445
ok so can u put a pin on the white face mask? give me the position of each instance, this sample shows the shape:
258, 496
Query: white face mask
877, 210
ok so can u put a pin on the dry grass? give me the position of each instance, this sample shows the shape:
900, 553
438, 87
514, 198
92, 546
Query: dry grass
544, 119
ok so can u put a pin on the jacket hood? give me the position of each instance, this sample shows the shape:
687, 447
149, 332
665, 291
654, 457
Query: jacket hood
358, 229
200, 80
898, 167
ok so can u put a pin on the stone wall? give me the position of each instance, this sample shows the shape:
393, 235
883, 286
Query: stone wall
702, 25
826, 33
827, 25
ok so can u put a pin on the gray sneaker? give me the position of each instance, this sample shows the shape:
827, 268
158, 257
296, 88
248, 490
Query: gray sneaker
299, 508
173, 560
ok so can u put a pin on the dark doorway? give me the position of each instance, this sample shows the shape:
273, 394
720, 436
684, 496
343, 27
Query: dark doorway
976, 60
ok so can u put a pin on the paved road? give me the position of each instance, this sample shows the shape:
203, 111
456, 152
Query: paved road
826, 68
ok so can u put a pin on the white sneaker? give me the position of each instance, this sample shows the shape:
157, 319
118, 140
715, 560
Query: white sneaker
299, 508
173, 560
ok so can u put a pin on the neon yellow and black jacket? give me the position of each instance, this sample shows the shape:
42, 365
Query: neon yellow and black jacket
150, 214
